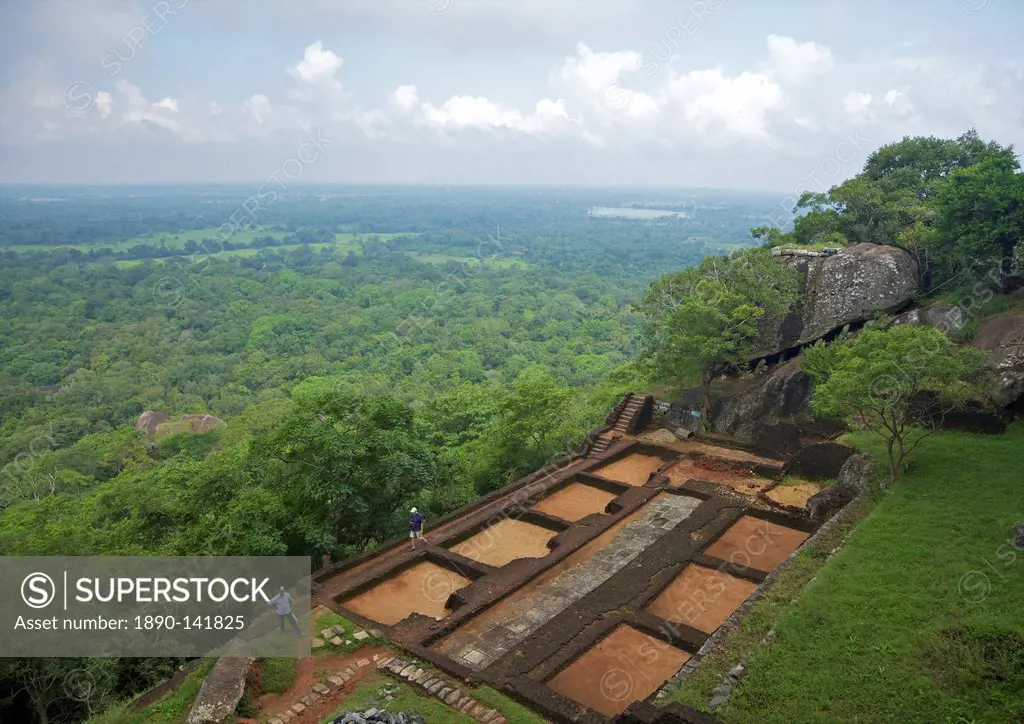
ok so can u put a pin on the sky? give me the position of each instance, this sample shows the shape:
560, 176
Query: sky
732, 94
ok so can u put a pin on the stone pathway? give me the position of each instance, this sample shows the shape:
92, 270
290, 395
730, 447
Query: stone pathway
532, 612
433, 685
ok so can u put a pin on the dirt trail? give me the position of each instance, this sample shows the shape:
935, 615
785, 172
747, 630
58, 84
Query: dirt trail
311, 670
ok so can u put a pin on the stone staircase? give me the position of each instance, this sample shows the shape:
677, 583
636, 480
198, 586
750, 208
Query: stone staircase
624, 421
629, 414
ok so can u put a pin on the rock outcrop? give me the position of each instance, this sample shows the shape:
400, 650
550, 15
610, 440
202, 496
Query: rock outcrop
149, 421
784, 393
839, 289
856, 475
221, 691
1003, 338
201, 423
157, 424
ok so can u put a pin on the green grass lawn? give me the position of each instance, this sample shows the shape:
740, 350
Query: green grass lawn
920, 617
278, 674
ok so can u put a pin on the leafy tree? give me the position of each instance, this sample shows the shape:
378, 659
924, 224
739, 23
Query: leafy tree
345, 465
703, 320
981, 213
873, 380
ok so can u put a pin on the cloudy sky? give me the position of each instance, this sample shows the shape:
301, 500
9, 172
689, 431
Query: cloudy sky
754, 94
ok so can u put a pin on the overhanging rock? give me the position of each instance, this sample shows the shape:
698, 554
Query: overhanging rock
838, 289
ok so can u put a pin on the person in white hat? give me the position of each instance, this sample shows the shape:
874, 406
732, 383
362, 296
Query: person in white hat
416, 527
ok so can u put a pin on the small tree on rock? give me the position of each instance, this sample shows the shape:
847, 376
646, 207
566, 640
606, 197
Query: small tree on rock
874, 379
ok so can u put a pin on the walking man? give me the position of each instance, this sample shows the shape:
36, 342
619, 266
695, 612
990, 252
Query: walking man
282, 603
416, 527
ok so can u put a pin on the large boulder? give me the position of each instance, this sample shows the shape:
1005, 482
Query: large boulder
149, 421
221, 691
850, 287
784, 394
1003, 338
856, 475
858, 472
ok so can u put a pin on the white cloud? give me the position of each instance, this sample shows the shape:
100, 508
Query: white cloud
315, 76
405, 97
711, 100
317, 65
595, 70
793, 62
461, 112
170, 104
856, 103
258, 107
103, 103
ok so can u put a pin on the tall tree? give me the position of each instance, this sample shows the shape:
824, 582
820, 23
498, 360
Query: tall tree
702, 320
345, 464
981, 212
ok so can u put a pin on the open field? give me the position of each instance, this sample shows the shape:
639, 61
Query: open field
177, 241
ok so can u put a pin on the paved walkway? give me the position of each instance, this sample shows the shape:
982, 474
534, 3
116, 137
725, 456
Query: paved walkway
483, 641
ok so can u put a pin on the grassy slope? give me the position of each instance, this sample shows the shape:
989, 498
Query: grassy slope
921, 616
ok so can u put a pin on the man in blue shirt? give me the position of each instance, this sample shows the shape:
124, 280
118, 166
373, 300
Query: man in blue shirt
416, 527
282, 604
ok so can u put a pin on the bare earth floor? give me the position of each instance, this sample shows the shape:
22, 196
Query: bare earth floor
688, 469
423, 588
625, 666
505, 541
755, 543
795, 495
701, 597
633, 469
575, 501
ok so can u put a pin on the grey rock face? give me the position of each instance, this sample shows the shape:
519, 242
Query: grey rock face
221, 691
784, 393
1003, 338
856, 475
858, 472
838, 289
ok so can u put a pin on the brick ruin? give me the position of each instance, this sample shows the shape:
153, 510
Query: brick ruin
579, 591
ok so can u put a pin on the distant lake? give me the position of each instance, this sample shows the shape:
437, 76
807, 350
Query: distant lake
627, 213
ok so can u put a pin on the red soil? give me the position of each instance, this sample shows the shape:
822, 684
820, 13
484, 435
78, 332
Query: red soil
633, 469
795, 495
755, 543
716, 472
701, 597
575, 501
423, 588
508, 539
509, 608
625, 666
